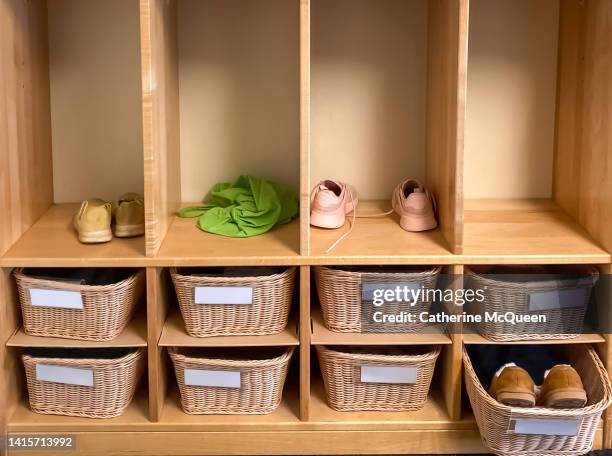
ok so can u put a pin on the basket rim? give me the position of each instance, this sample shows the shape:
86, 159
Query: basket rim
333, 270
220, 362
428, 356
266, 278
95, 362
584, 281
598, 407
52, 284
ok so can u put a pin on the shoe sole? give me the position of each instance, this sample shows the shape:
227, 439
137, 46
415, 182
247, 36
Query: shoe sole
566, 399
415, 223
331, 221
95, 237
122, 231
516, 399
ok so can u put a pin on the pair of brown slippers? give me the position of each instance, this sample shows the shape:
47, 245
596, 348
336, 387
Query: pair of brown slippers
562, 388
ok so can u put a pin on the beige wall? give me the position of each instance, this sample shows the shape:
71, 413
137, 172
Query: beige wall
511, 98
96, 117
239, 92
369, 65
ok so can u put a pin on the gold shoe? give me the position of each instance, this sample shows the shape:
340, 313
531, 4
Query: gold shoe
93, 221
129, 216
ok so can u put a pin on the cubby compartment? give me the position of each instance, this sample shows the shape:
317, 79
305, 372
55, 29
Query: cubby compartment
380, 109
531, 149
233, 109
75, 124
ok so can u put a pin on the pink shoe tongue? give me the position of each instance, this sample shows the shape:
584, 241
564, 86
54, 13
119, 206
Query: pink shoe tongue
326, 198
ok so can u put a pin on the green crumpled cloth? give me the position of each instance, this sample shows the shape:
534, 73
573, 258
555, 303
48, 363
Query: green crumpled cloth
248, 207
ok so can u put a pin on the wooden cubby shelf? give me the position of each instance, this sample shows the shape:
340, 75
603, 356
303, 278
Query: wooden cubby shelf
52, 242
525, 232
501, 108
133, 335
322, 336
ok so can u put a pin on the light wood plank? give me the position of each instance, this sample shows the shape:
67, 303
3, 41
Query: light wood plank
446, 108
134, 335
175, 335
158, 302
275, 443
321, 335
588, 338
305, 348
525, 231
451, 358
12, 381
160, 113
582, 176
304, 127
378, 240
26, 173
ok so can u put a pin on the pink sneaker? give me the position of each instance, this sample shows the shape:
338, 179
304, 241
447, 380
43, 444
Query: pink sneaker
330, 201
415, 206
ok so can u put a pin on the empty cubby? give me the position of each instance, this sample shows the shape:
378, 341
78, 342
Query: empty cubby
530, 148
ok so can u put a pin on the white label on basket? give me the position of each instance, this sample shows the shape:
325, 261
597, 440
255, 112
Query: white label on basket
56, 298
224, 295
561, 299
380, 293
197, 377
383, 374
67, 375
533, 426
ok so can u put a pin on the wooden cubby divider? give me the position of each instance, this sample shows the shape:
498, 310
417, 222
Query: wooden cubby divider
445, 75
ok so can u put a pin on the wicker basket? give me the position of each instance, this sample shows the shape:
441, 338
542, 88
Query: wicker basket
261, 381
496, 421
114, 382
342, 377
106, 311
340, 294
507, 295
268, 313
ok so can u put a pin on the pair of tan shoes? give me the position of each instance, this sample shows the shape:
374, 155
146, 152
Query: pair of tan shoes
562, 388
94, 220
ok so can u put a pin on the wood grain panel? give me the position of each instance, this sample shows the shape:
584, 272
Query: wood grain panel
160, 113
11, 371
26, 187
305, 127
583, 155
158, 291
446, 98
451, 358
305, 375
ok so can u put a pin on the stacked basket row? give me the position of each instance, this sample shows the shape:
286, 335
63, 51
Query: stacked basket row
92, 383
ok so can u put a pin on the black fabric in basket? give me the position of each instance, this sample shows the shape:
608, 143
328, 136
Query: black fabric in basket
79, 353
232, 271
86, 276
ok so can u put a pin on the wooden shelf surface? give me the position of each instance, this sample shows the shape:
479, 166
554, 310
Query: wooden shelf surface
186, 245
175, 335
52, 242
473, 338
134, 335
378, 240
525, 231
321, 335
